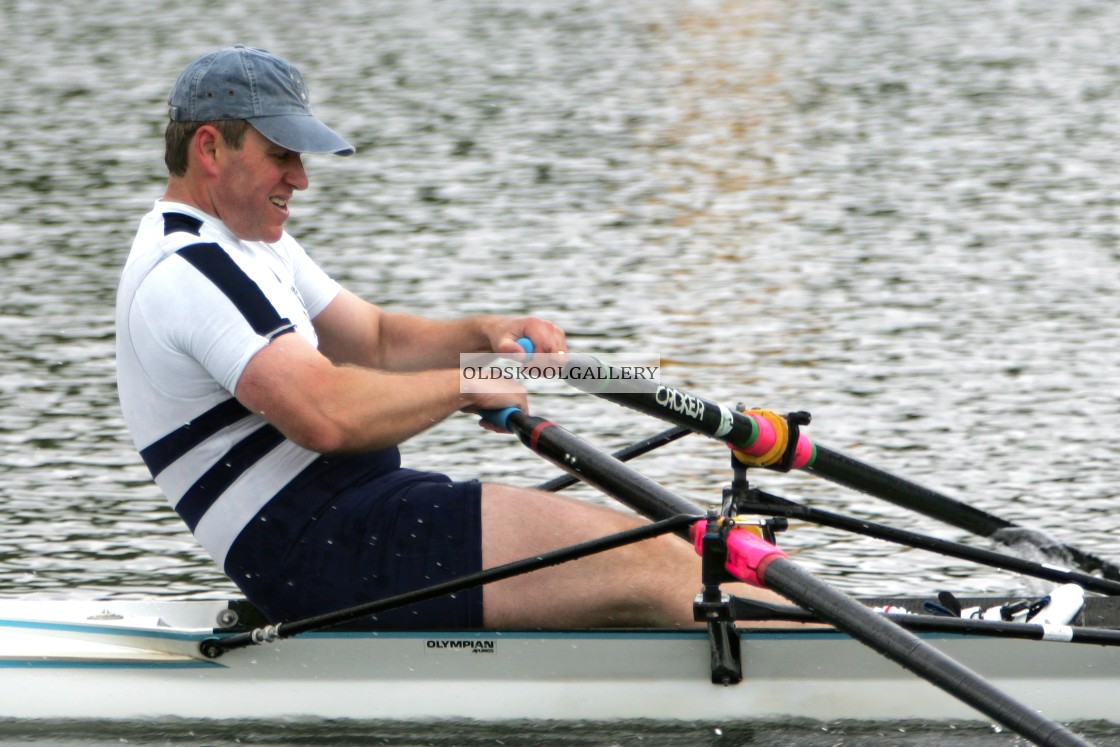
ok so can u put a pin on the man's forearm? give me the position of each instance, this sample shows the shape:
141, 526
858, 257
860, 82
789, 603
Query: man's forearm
414, 343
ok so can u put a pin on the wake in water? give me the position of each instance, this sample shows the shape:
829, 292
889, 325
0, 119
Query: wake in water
1036, 546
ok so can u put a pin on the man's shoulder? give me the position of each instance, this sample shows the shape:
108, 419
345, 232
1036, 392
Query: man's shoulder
158, 237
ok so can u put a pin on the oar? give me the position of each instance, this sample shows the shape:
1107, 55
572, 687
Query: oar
773, 505
754, 560
844, 470
635, 449
755, 434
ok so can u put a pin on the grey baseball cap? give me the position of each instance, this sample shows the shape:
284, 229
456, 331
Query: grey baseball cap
252, 84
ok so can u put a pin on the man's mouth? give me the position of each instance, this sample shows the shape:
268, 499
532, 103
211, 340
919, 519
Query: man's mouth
278, 202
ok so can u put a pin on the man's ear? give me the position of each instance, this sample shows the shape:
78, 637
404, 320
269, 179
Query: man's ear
205, 146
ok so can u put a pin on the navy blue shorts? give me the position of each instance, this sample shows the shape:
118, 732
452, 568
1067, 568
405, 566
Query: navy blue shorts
382, 536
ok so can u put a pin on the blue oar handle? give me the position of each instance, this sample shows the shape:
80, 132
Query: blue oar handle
527, 345
500, 417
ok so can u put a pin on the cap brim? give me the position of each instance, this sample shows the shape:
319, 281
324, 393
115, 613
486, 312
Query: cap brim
302, 133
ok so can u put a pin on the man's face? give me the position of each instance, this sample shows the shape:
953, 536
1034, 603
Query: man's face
254, 185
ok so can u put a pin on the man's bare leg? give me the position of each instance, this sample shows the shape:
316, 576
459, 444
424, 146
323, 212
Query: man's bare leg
649, 583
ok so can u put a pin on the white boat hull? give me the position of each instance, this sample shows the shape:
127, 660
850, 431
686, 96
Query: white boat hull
57, 664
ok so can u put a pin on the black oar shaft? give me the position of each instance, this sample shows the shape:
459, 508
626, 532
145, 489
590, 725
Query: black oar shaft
670, 404
636, 449
598, 469
907, 650
772, 505
843, 470
647, 497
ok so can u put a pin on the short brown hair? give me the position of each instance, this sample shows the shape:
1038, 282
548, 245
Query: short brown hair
177, 137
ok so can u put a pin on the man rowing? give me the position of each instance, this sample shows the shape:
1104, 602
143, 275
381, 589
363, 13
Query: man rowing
269, 402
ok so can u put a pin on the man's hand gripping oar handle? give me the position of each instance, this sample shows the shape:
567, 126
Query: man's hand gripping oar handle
500, 417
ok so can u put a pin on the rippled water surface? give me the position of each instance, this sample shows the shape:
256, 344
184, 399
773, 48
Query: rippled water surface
901, 216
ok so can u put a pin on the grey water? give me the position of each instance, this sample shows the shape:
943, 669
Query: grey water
901, 216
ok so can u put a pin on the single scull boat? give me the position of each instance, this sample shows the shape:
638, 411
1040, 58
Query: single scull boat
111, 659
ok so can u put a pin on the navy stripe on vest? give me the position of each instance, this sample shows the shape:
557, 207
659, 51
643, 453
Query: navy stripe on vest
162, 453
220, 269
237, 461
173, 222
